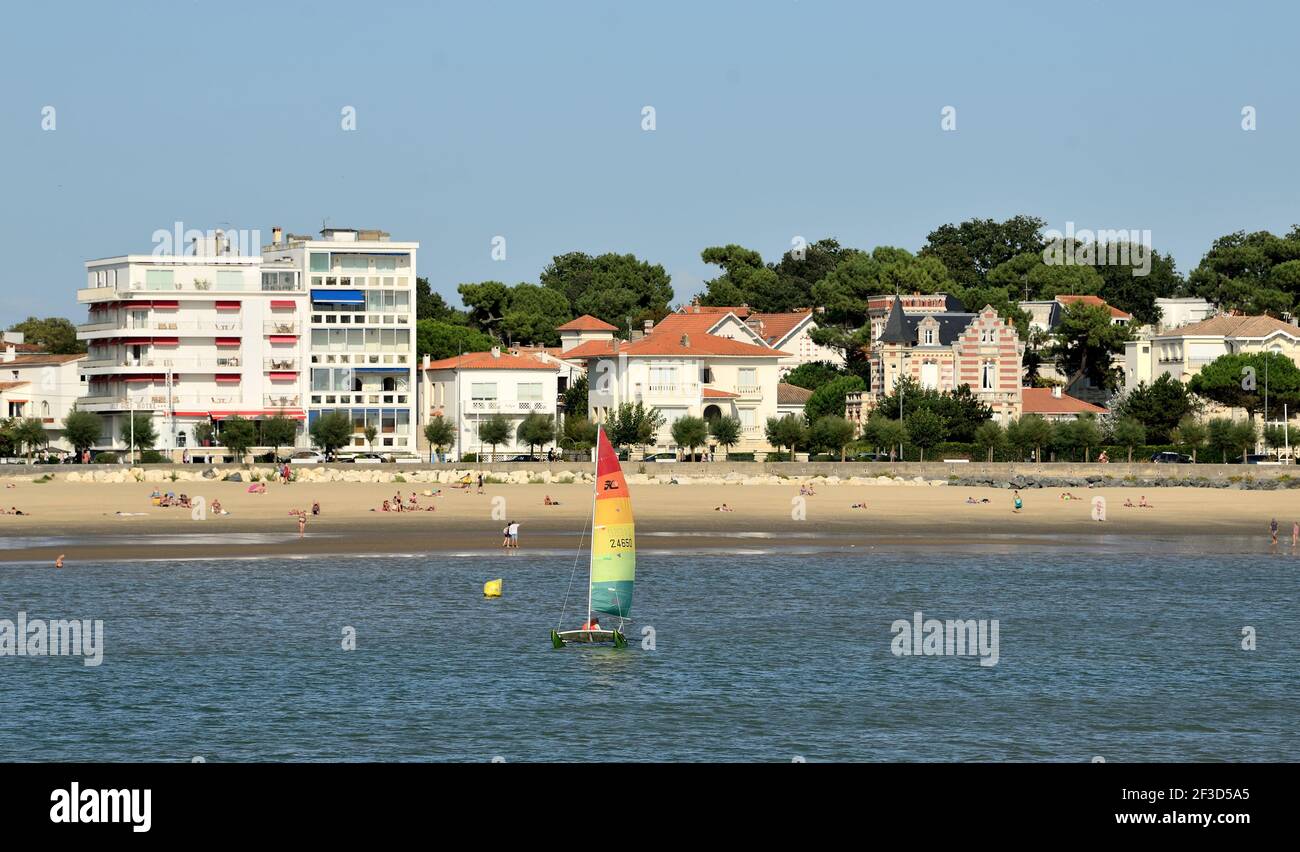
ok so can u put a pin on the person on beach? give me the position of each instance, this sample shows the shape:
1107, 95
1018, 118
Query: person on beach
723, 508
1143, 504
302, 524
1103, 458
1272, 529
315, 507
549, 502
480, 483
386, 506
505, 536
58, 563
216, 508
858, 506
1017, 504
1295, 533
513, 529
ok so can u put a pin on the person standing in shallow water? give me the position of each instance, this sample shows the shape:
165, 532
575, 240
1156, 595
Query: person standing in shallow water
1272, 529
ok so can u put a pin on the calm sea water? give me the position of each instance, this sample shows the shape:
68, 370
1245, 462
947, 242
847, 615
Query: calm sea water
760, 656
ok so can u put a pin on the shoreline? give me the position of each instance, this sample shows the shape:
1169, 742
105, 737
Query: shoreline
79, 520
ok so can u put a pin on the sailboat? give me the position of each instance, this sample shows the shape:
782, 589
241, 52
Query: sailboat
612, 566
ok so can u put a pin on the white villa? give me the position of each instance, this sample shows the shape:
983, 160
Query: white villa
699, 364
472, 387
44, 387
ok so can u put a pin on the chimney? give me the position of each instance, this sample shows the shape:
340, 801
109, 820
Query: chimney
428, 359
1056, 391
648, 326
276, 234
496, 351
10, 352
686, 341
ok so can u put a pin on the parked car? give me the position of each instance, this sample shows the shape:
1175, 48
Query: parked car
1260, 458
307, 457
366, 458
1171, 458
871, 457
660, 457
523, 458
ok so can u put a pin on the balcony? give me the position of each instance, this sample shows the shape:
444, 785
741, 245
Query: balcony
147, 365
281, 401
683, 390
154, 402
508, 406
280, 364
281, 327
381, 398
748, 391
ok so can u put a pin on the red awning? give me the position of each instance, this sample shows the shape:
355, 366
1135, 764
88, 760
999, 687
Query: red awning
228, 306
166, 303
283, 377
139, 306
229, 379
284, 303
166, 341
144, 379
296, 414
284, 338
228, 341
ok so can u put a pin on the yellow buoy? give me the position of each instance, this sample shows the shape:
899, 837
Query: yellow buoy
492, 589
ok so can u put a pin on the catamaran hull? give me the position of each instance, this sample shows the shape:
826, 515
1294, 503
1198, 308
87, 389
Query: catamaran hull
560, 638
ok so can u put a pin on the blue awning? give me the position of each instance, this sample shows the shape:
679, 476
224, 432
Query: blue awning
393, 369
340, 297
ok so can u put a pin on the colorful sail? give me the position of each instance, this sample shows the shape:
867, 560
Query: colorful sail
613, 542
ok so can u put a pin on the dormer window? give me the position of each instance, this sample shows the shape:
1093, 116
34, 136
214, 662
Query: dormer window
927, 336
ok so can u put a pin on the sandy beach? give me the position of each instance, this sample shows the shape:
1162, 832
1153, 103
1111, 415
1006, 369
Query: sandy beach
82, 520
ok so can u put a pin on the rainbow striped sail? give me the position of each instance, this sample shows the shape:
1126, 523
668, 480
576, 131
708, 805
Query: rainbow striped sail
613, 539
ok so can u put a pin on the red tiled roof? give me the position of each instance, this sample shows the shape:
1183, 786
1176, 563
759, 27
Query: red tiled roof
594, 349
670, 343
38, 360
775, 327
1234, 326
487, 361
1041, 401
1115, 312
5, 386
741, 311
787, 394
715, 393
586, 322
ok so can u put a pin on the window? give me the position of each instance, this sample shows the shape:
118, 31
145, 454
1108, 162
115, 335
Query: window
320, 261
988, 375
706, 375
747, 377
529, 392
483, 390
928, 336
158, 279
746, 418
230, 279
663, 375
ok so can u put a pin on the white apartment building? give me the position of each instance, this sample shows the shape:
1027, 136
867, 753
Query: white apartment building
40, 386
191, 338
691, 364
358, 321
467, 389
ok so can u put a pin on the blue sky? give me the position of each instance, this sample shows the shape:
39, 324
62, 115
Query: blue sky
774, 120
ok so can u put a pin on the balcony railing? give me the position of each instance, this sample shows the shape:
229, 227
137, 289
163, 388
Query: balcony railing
279, 364
507, 406
674, 389
281, 401
336, 398
154, 402
132, 325
281, 327
191, 364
